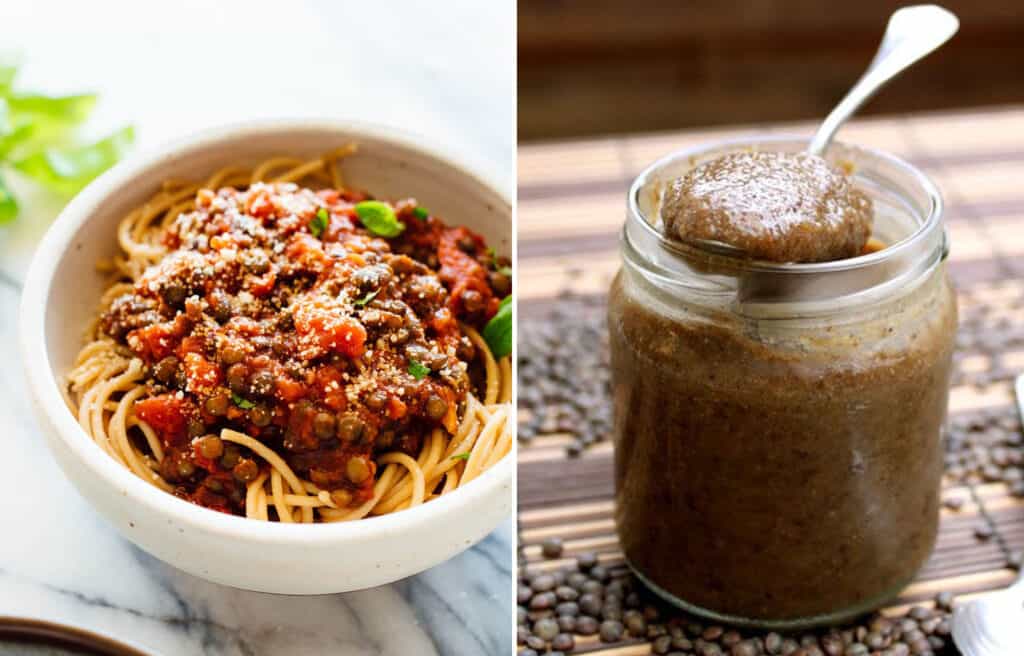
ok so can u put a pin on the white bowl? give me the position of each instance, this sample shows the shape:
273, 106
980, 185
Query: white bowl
61, 295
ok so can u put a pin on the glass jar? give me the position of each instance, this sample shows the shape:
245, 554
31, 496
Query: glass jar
778, 447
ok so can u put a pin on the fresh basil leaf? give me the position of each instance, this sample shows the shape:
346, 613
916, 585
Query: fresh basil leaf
319, 223
6, 124
53, 119
67, 170
420, 212
461, 456
13, 135
379, 218
418, 370
244, 404
498, 331
8, 204
14, 129
70, 109
8, 71
366, 299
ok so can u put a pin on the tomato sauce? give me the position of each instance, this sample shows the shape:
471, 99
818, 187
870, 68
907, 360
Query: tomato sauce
278, 313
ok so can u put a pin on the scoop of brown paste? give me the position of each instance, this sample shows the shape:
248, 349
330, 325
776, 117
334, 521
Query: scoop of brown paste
780, 207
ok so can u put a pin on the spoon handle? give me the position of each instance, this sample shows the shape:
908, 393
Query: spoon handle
912, 33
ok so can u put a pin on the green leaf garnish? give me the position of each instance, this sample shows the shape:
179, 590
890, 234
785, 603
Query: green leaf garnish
70, 109
14, 134
13, 130
366, 299
37, 138
418, 370
498, 331
461, 456
319, 223
420, 212
67, 170
244, 404
379, 218
52, 119
8, 205
505, 271
8, 71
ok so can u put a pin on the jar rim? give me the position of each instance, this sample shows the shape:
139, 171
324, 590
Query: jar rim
931, 222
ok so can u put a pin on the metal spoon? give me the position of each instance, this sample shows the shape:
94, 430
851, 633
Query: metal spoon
993, 624
912, 33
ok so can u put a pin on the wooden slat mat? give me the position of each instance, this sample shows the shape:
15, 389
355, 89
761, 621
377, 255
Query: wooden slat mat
571, 206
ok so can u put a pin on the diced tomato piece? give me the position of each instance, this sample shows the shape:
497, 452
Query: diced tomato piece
396, 408
302, 243
203, 462
336, 400
329, 196
167, 414
263, 285
192, 344
330, 332
443, 322
204, 198
288, 389
347, 337
244, 326
153, 342
461, 271
201, 374
171, 240
259, 205
328, 381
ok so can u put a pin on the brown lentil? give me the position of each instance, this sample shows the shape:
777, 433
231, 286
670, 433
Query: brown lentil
357, 469
210, 447
246, 470
437, 407
218, 404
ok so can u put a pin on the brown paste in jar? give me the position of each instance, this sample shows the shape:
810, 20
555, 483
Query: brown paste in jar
780, 207
777, 470
777, 481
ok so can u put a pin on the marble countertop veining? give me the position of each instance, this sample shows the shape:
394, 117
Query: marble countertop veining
171, 69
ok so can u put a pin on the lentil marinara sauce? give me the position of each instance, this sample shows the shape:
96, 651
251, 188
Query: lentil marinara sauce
277, 313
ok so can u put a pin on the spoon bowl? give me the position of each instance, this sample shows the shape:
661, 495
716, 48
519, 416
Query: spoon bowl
991, 624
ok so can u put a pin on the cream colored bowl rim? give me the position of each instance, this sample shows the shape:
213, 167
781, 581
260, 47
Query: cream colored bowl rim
46, 392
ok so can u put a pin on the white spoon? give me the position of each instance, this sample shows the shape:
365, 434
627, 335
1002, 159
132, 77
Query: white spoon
993, 624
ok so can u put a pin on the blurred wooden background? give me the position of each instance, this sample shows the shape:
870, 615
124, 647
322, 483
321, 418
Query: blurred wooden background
614, 66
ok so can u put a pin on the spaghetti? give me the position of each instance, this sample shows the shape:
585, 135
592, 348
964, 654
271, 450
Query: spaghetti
276, 345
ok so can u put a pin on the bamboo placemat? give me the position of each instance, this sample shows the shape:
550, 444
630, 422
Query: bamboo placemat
571, 206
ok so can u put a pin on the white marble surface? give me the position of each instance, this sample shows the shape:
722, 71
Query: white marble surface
445, 70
